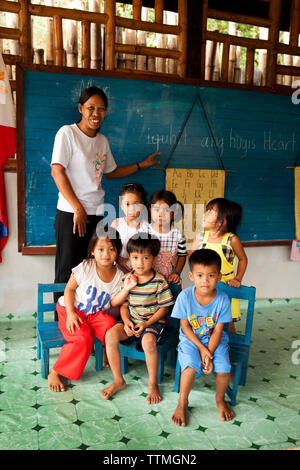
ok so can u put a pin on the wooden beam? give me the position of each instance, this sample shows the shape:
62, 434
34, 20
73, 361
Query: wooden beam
238, 18
86, 44
9, 33
182, 38
10, 7
67, 13
238, 40
58, 41
274, 13
147, 26
25, 28
110, 34
249, 72
159, 11
148, 51
294, 22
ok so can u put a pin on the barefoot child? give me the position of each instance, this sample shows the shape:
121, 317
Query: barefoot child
220, 222
94, 286
143, 316
163, 207
132, 200
203, 343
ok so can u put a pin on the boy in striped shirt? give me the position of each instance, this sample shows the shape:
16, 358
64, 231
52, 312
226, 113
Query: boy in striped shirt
143, 315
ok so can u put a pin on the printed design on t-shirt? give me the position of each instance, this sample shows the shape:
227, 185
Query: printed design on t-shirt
93, 306
203, 325
99, 164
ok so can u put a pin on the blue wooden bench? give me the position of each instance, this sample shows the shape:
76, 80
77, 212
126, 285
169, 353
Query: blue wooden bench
239, 344
48, 333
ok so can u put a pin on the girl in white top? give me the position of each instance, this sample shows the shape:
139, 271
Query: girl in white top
171, 259
83, 311
132, 202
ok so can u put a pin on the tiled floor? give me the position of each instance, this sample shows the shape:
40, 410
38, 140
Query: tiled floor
267, 410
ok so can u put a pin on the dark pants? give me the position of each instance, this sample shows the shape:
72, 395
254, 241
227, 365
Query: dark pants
71, 249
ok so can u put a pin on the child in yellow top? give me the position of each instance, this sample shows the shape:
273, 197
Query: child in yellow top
220, 222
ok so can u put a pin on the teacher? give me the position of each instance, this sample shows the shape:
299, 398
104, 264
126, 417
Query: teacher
81, 156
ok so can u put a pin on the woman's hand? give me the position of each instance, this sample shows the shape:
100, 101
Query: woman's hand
234, 283
73, 319
149, 161
80, 219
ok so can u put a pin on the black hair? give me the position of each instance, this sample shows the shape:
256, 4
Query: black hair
134, 188
141, 242
206, 257
169, 198
91, 91
229, 213
104, 231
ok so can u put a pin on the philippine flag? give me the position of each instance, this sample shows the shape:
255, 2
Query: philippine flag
7, 145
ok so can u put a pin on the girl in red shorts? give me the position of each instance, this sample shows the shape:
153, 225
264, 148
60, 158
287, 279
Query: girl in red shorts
93, 288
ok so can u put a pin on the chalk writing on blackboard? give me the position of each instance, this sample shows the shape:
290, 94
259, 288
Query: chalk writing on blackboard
194, 189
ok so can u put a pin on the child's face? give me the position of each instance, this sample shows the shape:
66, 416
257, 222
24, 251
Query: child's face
141, 263
161, 214
210, 218
131, 204
105, 253
205, 278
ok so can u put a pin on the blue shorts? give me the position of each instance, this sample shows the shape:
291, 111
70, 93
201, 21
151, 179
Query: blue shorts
161, 333
189, 356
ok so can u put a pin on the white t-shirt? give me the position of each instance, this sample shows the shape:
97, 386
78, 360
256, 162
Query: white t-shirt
85, 159
92, 294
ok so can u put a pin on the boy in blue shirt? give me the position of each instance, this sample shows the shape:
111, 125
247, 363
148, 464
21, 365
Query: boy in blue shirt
203, 344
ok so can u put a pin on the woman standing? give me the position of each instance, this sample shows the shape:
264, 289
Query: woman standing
81, 156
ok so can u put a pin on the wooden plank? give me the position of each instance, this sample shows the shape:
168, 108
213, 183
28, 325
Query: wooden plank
147, 26
67, 13
182, 38
10, 7
110, 34
144, 50
20, 157
238, 18
9, 33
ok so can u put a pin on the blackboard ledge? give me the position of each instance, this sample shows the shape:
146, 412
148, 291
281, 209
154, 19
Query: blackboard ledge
51, 250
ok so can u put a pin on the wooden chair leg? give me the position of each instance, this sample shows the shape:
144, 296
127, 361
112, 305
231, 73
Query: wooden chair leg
44, 363
177, 377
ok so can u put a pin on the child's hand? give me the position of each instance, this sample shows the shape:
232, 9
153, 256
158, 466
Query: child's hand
207, 366
138, 329
73, 319
130, 281
174, 277
234, 283
129, 328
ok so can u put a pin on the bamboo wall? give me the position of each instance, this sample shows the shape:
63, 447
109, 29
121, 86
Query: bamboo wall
95, 37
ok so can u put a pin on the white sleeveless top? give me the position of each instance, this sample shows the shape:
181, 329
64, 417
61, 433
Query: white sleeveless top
125, 232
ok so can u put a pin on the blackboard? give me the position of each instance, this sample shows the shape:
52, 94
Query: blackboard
254, 136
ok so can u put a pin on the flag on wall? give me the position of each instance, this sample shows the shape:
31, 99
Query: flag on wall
7, 145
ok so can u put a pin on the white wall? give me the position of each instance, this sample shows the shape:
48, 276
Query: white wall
269, 268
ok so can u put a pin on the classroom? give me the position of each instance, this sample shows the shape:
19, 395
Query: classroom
210, 88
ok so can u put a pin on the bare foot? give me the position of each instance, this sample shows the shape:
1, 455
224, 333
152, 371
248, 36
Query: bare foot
112, 389
55, 383
179, 416
226, 414
153, 394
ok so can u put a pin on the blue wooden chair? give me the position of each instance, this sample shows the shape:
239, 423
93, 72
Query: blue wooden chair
239, 344
166, 350
48, 333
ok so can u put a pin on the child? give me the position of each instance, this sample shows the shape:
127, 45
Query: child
143, 316
203, 343
94, 286
171, 259
220, 223
132, 200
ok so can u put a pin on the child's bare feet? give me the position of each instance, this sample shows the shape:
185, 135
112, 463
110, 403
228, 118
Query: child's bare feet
153, 394
109, 391
179, 415
55, 383
226, 414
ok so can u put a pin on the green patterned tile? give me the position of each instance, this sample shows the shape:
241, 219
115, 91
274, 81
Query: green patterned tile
18, 419
278, 407
19, 368
17, 396
109, 446
60, 437
19, 440
226, 436
63, 413
290, 425
263, 432
101, 431
155, 442
13, 355
184, 439
94, 408
44, 396
143, 427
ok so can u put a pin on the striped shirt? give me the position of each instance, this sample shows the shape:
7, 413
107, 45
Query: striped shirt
146, 299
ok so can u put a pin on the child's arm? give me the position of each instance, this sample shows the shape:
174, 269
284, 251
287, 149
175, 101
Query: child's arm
195, 244
215, 338
128, 324
175, 276
130, 281
158, 315
242, 264
73, 319
205, 353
